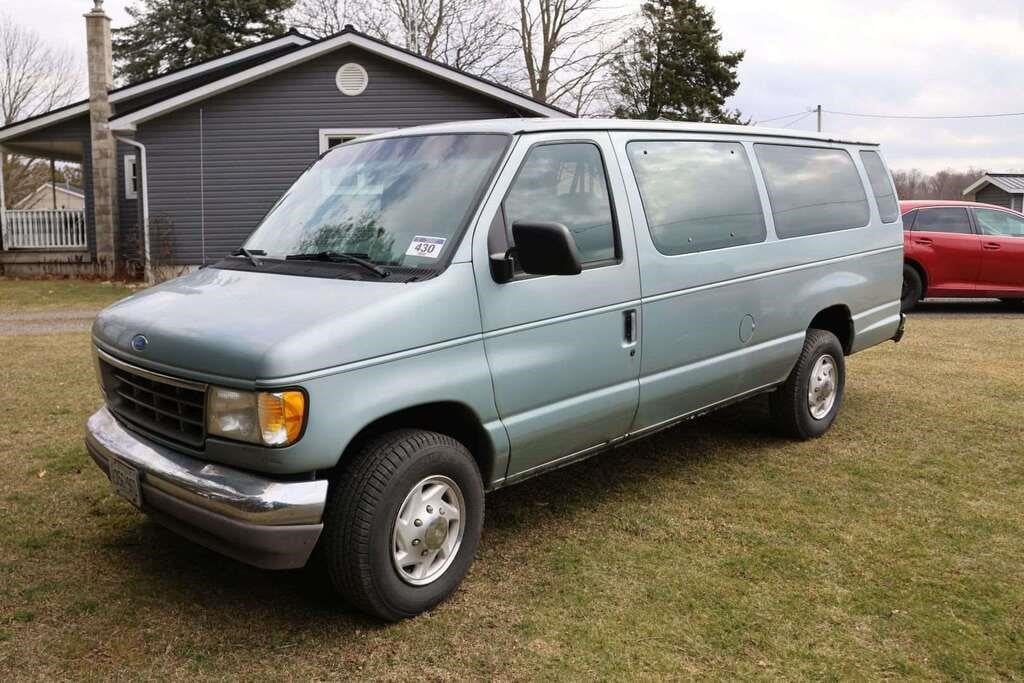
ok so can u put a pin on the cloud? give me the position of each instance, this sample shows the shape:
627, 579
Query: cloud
869, 56
910, 57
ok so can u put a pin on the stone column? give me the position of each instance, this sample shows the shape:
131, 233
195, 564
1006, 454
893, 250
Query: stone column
103, 145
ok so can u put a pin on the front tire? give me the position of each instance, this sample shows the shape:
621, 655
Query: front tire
913, 288
807, 403
402, 523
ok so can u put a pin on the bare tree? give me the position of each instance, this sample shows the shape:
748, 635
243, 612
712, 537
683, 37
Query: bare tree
944, 184
566, 45
468, 35
320, 18
34, 78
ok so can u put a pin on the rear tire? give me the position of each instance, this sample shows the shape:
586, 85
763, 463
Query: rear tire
377, 559
913, 288
807, 403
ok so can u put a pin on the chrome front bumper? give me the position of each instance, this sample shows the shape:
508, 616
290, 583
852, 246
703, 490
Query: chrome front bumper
260, 521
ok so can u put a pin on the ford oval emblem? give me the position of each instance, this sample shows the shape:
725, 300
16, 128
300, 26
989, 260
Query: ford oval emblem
139, 342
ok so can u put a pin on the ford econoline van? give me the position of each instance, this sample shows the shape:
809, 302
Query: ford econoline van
437, 312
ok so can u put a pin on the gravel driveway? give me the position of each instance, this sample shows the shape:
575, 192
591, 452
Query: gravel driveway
47, 321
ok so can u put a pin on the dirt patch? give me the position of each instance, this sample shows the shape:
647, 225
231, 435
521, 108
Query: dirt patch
47, 321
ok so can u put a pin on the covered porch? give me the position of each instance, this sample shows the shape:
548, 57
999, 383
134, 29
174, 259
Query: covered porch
44, 236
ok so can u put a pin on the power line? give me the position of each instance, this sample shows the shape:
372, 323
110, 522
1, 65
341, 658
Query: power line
779, 118
923, 116
796, 121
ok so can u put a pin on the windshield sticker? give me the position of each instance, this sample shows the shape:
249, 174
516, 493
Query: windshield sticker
426, 247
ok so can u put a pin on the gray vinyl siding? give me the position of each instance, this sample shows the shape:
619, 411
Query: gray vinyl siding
208, 192
990, 194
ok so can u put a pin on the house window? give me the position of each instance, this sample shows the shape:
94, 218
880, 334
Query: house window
332, 137
131, 177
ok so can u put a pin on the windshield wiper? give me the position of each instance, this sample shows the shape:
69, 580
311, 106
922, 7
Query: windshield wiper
341, 257
250, 254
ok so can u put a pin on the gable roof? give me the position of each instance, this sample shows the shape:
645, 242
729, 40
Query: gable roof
288, 42
347, 37
1007, 182
66, 188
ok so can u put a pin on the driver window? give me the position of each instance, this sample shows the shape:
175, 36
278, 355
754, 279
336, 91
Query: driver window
564, 183
999, 223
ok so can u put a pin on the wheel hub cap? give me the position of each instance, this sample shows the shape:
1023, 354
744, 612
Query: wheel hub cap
822, 386
436, 534
428, 530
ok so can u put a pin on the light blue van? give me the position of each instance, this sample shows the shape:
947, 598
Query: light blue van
437, 312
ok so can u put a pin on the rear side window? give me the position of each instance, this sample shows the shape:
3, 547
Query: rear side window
812, 189
999, 223
566, 183
881, 186
948, 219
697, 196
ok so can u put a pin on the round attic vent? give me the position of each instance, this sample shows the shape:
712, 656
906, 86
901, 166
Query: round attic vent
351, 79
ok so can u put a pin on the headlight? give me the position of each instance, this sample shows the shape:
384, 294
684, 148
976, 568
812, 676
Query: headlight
268, 418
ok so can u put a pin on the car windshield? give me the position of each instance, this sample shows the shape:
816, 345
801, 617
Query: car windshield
400, 201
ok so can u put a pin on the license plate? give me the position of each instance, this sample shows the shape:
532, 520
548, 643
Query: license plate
124, 479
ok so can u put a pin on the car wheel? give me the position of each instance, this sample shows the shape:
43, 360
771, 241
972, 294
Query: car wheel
402, 523
807, 403
913, 288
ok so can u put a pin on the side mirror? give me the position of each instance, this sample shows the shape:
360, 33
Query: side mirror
540, 249
545, 249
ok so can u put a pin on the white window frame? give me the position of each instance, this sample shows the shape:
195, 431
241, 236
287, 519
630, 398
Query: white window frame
131, 175
327, 133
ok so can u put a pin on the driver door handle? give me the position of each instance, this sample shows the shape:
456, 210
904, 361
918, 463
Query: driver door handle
630, 330
991, 246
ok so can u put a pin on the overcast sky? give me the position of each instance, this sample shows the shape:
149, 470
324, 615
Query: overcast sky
910, 57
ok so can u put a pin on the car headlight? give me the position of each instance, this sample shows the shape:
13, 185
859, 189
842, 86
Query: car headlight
267, 418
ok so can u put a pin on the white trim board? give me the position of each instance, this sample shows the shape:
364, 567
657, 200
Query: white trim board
326, 133
128, 122
158, 82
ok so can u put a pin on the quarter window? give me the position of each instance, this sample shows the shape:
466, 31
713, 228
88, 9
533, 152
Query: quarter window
999, 223
812, 190
908, 219
948, 219
566, 183
881, 186
697, 196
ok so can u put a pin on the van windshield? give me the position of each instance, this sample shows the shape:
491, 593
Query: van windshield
400, 201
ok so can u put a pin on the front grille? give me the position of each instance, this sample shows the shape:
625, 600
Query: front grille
165, 406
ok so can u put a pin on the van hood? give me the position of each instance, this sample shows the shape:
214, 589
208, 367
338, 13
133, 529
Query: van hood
260, 326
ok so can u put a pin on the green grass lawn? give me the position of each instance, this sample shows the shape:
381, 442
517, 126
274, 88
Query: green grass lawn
892, 547
20, 295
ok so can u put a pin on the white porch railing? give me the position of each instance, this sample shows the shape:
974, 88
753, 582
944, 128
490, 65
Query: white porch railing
62, 229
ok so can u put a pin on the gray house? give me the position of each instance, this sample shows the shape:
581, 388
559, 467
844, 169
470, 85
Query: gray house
1001, 189
179, 169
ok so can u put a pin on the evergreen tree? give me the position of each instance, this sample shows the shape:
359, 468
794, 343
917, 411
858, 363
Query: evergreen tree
672, 67
170, 34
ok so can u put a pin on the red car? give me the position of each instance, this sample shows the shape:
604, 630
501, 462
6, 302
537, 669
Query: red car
962, 249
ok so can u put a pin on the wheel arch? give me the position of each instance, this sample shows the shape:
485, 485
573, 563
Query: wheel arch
916, 265
837, 320
450, 418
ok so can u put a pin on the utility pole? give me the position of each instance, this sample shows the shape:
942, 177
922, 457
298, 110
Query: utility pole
819, 118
